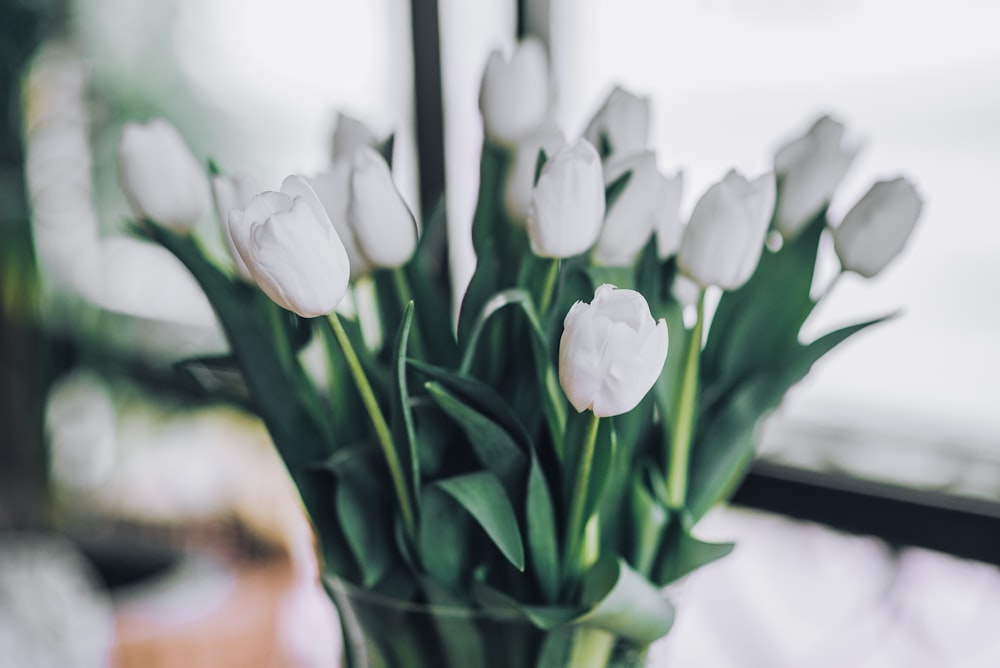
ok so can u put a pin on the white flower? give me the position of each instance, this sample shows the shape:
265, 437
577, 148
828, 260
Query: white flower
723, 240
233, 192
382, 223
160, 177
514, 97
333, 189
567, 205
623, 120
667, 221
291, 249
629, 220
611, 352
875, 230
350, 135
521, 177
810, 169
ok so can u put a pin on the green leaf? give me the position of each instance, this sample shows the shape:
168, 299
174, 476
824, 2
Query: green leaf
493, 446
364, 518
649, 518
540, 520
480, 396
539, 164
614, 190
685, 553
553, 400
443, 536
385, 148
299, 434
403, 436
482, 495
628, 605
724, 438
492, 238
754, 325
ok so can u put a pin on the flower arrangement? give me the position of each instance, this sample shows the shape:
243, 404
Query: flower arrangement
547, 456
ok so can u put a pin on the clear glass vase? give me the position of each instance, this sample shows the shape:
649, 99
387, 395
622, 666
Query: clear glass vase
382, 632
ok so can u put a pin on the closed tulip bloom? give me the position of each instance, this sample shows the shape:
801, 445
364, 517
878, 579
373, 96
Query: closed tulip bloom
629, 220
611, 352
810, 168
333, 189
623, 120
723, 240
875, 230
667, 216
291, 249
233, 192
160, 177
567, 205
521, 178
350, 135
382, 223
514, 97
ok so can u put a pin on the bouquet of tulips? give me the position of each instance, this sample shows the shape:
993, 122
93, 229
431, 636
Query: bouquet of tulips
545, 457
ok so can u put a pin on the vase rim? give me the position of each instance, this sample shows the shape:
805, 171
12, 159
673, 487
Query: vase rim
339, 585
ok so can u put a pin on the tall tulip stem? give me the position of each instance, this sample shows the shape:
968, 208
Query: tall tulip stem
382, 432
573, 543
551, 278
682, 420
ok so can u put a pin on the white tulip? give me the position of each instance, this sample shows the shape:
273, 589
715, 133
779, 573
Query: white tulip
623, 120
382, 223
611, 352
233, 192
723, 240
350, 135
567, 204
667, 217
333, 189
875, 230
810, 169
291, 249
521, 177
514, 97
629, 220
160, 177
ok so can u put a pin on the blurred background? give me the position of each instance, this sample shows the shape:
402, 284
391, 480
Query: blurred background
156, 527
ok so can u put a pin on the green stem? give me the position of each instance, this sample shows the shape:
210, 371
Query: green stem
683, 417
416, 344
550, 285
574, 528
382, 431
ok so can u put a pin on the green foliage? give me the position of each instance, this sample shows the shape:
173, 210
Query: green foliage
481, 489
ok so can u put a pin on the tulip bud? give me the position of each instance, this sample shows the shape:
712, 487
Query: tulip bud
161, 178
521, 179
725, 236
629, 221
514, 97
233, 192
333, 189
667, 216
875, 230
567, 204
611, 352
382, 223
350, 135
622, 121
810, 168
291, 249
